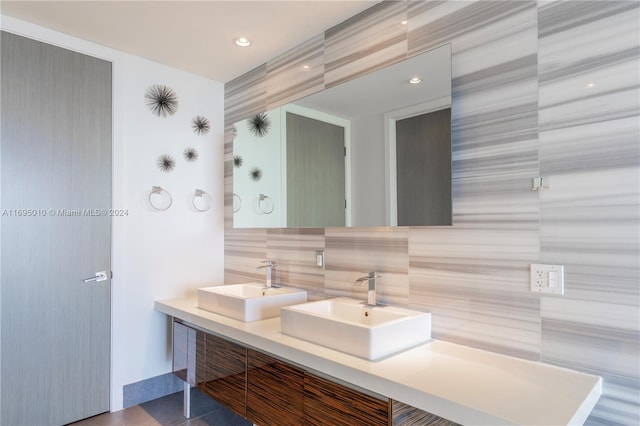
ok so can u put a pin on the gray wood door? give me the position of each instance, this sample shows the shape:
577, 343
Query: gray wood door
423, 162
315, 173
56, 231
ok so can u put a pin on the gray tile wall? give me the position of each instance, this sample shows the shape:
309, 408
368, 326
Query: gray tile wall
521, 109
589, 219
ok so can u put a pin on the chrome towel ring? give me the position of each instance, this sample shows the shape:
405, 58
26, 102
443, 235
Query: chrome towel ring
237, 203
159, 198
201, 195
263, 204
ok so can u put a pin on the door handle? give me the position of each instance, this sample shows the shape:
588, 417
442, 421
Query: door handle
100, 276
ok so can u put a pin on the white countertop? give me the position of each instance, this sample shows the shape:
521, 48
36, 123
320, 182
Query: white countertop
462, 384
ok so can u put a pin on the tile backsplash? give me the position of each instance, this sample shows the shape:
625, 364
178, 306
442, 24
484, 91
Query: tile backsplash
522, 108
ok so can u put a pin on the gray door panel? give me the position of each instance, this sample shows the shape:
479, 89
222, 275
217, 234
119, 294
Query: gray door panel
56, 230
423, 156
315, 173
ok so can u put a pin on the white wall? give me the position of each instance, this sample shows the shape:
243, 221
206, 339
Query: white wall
155, 255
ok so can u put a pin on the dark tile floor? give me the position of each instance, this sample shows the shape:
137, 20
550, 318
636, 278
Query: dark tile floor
167, 411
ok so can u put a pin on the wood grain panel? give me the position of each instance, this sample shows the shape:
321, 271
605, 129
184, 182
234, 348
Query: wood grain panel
329, 403
275, 391
406, 415
225, 374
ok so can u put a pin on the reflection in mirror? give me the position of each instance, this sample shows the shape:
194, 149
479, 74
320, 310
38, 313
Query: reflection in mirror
374, 151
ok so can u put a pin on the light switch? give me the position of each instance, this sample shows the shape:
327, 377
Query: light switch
320, 258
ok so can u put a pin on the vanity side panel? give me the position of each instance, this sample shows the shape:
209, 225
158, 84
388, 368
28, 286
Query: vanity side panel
329, 403
275, 391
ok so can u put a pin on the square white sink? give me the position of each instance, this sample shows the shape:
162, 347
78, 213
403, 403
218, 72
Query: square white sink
248, 302
349, 326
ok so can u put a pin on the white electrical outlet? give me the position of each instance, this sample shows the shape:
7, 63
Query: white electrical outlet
547, 278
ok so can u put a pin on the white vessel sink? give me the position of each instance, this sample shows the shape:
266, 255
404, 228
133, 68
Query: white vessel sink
350, 326
248, 302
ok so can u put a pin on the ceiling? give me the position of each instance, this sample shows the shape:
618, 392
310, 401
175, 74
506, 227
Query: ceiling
196, 36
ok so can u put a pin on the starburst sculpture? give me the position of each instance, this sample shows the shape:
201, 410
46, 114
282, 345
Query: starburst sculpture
200, 125
190, 154
166, 163
259, 124
161, 100
255, 174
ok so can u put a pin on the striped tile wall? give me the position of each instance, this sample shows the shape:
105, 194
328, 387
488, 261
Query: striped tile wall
473, 276
370, 40
519, 111
352, 252
589, 218
297, 73
295, 250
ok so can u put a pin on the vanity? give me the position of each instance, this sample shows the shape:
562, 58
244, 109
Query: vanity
273, 378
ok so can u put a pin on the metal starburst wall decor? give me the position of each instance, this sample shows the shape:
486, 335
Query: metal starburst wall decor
200, 125
166, 163
190, 154
161, 100
255, 174
259, 124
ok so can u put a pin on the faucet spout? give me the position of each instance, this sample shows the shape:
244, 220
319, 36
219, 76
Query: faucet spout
268, 265
371, 293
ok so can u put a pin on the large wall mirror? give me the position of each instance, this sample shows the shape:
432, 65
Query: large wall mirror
374, 151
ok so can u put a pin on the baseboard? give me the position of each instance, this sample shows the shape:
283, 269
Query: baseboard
150, 389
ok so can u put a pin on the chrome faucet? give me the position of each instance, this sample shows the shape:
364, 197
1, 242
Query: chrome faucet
371, 294
268, 266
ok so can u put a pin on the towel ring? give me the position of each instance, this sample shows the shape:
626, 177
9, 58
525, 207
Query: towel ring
199, 193
239, 203
158, 193
262, 198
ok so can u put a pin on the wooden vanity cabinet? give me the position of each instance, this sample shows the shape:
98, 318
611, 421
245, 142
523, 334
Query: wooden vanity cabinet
330, 403
222, 371
272, 392
275, 391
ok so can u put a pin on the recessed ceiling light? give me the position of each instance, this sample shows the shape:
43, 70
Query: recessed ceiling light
405, 22
242, 41
415, 80
306, 67
590, 85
